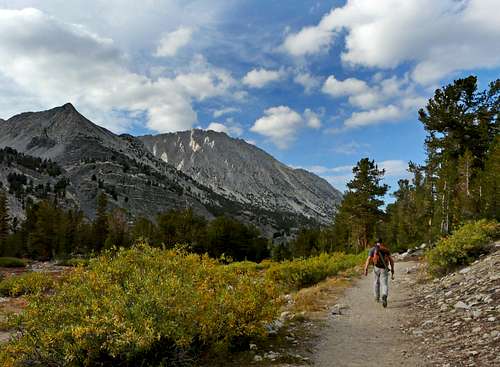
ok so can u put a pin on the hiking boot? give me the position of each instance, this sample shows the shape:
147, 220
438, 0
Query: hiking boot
384, 301
377, 299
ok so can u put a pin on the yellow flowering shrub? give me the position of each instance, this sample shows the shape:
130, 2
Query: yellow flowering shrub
139, 306
147, 306
462, 247
27, 283
298, 273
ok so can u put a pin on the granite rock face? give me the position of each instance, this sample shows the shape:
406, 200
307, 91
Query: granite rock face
242, 172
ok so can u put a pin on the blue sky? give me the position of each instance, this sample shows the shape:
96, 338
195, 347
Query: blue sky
318, 84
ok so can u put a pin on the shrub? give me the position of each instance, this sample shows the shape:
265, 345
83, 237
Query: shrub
12, 262
27, 283
462, 247
139, 306
73, 262
298, 273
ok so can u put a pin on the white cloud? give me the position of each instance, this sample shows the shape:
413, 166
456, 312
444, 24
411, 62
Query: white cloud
349, 148
394, 168
437, 37
312, 119
310, 40
258, 78
216, 126
224, 111
172, 42
57, 62
308, 81
378, 115
229, 127
383, 101
205, 84
279, 124
347, 87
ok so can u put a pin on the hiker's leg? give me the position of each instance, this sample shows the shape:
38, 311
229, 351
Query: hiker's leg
376, 283
385, 282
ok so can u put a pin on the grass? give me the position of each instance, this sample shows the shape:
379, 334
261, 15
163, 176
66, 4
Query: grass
12, 262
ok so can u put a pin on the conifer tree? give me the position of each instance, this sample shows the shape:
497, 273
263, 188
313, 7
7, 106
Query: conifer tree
101, 222
360, 211
4, 218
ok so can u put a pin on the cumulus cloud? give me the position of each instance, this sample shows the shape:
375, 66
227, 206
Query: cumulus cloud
381, 101
279, 124
216, 126
441, 37
258, 78
308, 81
310, 40
172, 42
347, 87
224, 111
312, 119
382, 114
229, 127
59, 62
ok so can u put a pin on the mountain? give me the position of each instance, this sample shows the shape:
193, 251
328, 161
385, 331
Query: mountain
242, 172
93, 159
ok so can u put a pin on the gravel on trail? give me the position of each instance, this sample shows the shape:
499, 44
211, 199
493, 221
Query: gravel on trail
364, 333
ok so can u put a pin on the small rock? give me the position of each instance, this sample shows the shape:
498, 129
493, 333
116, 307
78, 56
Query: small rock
253, 346
257, 358
491, 319
464, 270
461, 306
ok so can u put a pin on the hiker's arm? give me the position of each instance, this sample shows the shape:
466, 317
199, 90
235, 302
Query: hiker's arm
367, 262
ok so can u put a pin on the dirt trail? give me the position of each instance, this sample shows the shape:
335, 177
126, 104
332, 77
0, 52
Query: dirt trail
366, 334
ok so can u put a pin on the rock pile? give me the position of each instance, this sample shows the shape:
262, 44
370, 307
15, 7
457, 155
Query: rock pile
457, 317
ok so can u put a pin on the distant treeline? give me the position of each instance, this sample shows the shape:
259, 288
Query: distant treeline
50, 231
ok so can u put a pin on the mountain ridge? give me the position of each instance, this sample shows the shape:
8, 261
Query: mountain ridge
96, 159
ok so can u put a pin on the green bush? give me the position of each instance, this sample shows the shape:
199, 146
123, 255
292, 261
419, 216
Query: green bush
462, 247
12, 262
27, 283
73, 262
140, 306
298, 273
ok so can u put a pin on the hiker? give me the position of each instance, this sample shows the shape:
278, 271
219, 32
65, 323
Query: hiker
380, 257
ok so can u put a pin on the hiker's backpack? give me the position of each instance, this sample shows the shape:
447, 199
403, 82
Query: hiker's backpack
381, 256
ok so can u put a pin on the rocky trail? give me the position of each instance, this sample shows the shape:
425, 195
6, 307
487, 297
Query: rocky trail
452, 321
360, 332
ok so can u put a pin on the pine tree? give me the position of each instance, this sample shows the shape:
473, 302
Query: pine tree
462, 124
360, 213
4, 218
101, 222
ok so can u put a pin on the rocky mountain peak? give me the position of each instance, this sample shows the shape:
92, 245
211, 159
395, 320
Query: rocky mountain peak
243, 172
